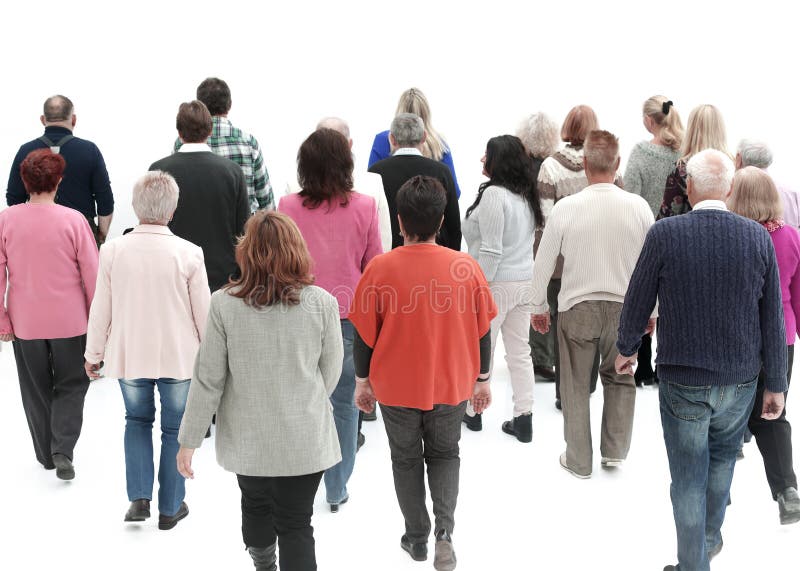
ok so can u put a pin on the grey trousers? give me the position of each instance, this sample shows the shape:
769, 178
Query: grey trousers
418, 438
582, 331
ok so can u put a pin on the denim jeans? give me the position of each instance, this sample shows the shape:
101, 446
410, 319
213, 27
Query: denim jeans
140, 413
345, 415
703, 428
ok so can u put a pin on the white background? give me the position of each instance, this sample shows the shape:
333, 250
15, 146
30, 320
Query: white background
127, 66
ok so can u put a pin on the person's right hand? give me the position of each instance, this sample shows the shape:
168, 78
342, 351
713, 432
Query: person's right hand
541, 322
364, 397
92, 370
481, 396
773, 405
624, 365
184, 459
6, 337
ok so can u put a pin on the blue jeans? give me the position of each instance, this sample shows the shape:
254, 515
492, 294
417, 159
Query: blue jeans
703, 428
140, 413
345, 415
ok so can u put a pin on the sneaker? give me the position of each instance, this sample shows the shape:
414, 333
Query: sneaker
611, 462
445, 557
417, 551
520, 426
563, 461
166, 522
64, 468
139, 510
474, 423
789, 506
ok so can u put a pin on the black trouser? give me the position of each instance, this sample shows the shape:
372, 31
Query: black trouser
644, 358
53, 384
555, 284
280, 508
774, 438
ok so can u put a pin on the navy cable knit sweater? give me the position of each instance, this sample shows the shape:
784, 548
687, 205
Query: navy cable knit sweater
719, 301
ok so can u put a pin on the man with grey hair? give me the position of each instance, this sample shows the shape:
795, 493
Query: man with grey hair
753, 153
721, 322
85, 186
406, 137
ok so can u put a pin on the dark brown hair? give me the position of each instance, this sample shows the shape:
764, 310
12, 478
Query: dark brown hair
420, 204
273, 259
580, 120
216, 95
325, 168
193, 122
41, 170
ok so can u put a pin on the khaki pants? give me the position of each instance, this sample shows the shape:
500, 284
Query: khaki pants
582, 330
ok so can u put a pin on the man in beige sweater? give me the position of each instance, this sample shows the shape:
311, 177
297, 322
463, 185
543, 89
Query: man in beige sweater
599, 232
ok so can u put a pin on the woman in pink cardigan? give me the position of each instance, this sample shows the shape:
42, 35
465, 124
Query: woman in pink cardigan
147, 320
48, 268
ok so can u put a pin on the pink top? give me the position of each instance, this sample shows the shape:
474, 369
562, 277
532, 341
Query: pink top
341, 239
149, 313
787, 250
50, 255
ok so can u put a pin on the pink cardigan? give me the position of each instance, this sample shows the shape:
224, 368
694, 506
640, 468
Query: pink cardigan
787, 250
150, 309
50, 255
341, 239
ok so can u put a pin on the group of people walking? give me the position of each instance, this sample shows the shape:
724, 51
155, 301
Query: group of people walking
354, 293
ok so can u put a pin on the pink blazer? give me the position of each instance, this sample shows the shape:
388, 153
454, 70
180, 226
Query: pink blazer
150, 306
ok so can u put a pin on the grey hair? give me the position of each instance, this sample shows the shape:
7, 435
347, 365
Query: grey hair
540, 135
335, 123
711, 172
754, 153
155, 197
408, 129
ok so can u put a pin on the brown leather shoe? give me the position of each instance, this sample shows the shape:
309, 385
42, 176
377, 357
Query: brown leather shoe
168, 522
139, 510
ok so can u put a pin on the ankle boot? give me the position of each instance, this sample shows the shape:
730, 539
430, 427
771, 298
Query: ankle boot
521, 427
264, 557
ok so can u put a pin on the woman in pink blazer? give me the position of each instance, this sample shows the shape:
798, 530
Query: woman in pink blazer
145, 326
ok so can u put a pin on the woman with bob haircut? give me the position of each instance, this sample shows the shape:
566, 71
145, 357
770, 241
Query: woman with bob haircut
499, 228
340, 227
157, 352
48, 270
434, 147
269, 361
704, 130
755, 196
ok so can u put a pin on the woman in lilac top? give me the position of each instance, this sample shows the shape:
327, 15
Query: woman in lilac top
48, 264
754, 196
340, 227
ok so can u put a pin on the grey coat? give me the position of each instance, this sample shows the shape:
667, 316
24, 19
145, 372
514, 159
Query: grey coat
268, 373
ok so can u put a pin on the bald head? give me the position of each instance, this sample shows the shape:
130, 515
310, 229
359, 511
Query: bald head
57, 109
335, 123
710, 174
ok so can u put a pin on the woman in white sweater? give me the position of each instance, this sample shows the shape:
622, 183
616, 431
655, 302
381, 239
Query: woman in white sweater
499, 229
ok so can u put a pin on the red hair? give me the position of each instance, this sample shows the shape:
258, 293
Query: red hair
41, 171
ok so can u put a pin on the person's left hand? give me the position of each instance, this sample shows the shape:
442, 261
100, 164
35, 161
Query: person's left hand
624, 365
92, 370
481, 397
364, 397
541, 322
651, 326
7, 337
773, 405
184, 459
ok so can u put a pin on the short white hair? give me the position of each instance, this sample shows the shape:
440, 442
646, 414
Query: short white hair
711, 172
335, 123
754, 153
155, 197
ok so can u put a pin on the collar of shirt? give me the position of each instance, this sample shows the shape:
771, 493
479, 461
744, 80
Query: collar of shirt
194, 148
151, 229
407, 151
710, 205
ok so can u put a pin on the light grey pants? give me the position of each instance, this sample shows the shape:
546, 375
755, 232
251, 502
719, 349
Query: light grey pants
582, 330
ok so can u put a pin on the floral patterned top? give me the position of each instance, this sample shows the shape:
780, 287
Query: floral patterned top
675, 200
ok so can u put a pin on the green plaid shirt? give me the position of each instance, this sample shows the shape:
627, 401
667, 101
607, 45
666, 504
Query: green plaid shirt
242, 148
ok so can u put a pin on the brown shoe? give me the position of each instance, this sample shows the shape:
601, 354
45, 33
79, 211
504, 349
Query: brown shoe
139, 510
168, 522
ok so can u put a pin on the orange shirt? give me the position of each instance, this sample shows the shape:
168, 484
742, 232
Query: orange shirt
423, 309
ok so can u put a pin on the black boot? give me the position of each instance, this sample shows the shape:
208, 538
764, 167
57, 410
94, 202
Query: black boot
474, 422
264, 558
521, 427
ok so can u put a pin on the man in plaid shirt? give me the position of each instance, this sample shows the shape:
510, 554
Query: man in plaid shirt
234, 144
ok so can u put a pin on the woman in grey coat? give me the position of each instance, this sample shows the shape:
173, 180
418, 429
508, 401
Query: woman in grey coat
268, 364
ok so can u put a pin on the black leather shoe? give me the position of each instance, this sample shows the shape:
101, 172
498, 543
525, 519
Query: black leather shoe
64, 468
370, 416
335, 507
789, 506
360, 440
558, 404
520, 426
671, 568
544, 373
474, 423
417, 551
139, 510
166, 522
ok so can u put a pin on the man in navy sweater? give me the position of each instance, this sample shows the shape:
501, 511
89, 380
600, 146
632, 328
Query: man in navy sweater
720, 322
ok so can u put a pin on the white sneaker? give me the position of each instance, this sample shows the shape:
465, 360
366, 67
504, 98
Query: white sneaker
563, 461
611, 462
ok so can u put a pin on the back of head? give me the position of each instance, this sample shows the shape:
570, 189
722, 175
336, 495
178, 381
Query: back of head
216, 95
420, 204
41, 170
325, 168
408, 130
754, 154
755, 196
539, 133
710, 172
414, 101
193, 122
57, 109
274, 261
335, 123
155, 197
705, 130
663, 113
601, 151
579, 121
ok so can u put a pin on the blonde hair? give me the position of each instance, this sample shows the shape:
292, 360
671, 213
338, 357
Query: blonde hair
579, 122
601, 150
705, 130
755, 195
670, 124
414, 101
539, 134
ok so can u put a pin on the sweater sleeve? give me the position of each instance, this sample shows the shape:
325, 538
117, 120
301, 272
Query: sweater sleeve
447, 159
100, 314
374, 241
773, 332
675, 200
380, 148
452, 216
5, 322
640, 299
491, 221
547, 188
15, 191
199, 296
546, 257
332, 354
88, 258
633, 173
101, 186
794, 292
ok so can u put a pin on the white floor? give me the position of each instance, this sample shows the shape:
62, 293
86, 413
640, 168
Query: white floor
517, 508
